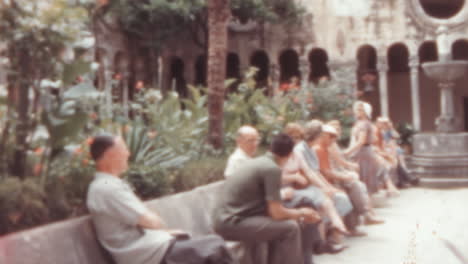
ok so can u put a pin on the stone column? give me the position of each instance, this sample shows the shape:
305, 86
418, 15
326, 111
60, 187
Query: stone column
344, 73
382, 68
107, 86
447, 122
304, 69
415, 99
125, 97
274, 76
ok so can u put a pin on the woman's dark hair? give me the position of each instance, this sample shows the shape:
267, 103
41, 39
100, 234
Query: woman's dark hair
100, 144
282, 145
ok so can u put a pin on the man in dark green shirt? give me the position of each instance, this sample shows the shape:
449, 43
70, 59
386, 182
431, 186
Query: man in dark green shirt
250, 208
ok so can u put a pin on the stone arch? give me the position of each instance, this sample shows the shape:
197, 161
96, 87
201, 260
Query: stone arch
367, 77
201, 64
261, 61
460, 52
289, 65
177, 77
144, 66
318, 60
367, 58
398, 58
399, 83
233, 69
460, 49
428, 52
428, 91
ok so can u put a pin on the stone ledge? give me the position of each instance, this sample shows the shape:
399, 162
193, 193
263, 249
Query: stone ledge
74, 241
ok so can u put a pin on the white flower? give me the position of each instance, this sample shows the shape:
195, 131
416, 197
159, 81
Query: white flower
174, 94
86, 42
68, 54
188, 113
40, 133
94, 66
153, 96
46, 83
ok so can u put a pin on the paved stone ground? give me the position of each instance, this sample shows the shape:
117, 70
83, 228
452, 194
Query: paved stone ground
416, 224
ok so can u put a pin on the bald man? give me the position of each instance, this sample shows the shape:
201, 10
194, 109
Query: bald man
247, 140
130, 231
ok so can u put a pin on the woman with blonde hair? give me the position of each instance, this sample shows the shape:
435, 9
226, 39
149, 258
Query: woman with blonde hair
372, 170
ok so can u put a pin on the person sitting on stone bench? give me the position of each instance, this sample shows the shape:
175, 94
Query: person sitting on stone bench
247, 140
250, 209
343, 205
130, 231
344, 179
314, 192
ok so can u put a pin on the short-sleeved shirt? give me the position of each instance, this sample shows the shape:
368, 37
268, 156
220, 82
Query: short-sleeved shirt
115, 210
308, 154
247, 192
235, 161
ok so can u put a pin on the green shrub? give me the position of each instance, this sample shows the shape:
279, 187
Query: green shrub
22, 203
198, 173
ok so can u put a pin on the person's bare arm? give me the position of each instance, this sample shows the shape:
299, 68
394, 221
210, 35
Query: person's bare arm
361, 140
336, 155
278, 212
150, 220
293, 178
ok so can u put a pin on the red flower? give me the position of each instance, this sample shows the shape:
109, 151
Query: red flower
139, 85
368, 77
39, 151
117, 76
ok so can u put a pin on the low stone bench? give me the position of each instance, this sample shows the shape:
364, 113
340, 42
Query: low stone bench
74, 241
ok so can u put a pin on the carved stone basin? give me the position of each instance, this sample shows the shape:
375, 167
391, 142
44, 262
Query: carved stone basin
445, 71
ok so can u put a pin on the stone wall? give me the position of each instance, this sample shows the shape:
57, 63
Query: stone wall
340, 28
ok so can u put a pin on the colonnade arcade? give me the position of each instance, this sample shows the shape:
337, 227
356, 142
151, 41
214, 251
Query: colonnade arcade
391, 79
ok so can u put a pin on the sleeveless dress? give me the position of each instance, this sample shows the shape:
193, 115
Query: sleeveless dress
371, 171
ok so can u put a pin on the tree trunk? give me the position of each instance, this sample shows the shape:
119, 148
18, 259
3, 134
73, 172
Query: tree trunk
218, 18
22, 108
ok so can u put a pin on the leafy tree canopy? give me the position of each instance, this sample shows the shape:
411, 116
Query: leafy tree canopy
155, 21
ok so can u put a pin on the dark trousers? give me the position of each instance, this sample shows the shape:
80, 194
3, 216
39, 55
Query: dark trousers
283, 238
205, 250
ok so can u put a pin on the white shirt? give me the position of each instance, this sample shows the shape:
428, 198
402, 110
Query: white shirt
115, 210
235, 161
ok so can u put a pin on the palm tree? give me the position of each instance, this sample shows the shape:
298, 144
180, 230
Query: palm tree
219, 13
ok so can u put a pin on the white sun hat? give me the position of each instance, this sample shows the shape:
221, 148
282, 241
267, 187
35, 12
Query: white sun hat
329, 129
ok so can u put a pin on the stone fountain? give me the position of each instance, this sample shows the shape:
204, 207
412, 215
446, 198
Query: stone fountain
441, 158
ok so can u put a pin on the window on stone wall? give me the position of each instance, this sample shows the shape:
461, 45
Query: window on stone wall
442, 8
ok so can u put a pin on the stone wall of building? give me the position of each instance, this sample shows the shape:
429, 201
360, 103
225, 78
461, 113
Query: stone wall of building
381, 37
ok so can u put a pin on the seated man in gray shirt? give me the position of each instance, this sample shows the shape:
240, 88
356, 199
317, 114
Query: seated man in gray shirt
250, 209
130, 231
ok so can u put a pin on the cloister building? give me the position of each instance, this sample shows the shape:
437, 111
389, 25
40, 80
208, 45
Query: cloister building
381, 44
